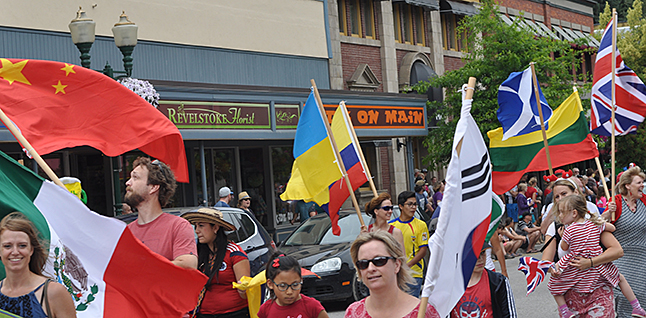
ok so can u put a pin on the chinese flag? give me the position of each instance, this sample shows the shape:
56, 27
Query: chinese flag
58, 105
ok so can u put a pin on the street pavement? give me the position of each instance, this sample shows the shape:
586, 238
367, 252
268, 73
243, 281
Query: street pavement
539, 304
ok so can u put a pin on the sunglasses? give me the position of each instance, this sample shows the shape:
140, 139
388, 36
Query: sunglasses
379, 261
411, 203
283, 287
387, 208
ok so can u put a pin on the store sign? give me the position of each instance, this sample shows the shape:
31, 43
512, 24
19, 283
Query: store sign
286, 116
216, 115
382, 117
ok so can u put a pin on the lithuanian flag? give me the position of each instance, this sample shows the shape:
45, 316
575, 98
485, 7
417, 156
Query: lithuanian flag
568, 137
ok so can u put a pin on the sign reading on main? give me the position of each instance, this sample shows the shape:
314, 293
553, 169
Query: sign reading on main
382, 117
216, 115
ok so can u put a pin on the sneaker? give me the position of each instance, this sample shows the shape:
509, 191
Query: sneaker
639, 312
509, 256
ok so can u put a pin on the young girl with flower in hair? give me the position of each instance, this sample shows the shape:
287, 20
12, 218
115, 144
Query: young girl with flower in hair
284, 282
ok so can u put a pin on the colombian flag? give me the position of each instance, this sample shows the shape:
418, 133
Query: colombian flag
568, 137
316, 168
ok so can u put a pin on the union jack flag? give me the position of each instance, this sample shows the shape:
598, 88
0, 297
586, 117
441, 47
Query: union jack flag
630, 93
534, 270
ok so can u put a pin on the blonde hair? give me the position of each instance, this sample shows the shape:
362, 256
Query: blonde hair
392, 246
532, 181
522, 187
568, 183
578, 203
627, 178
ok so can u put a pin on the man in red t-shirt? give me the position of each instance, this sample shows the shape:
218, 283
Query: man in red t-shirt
149, 188
488, 294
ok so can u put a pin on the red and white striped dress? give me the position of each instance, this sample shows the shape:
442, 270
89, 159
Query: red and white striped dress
583, 239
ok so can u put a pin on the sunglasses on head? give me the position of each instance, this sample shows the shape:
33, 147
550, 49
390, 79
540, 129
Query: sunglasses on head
387, 208
379, 261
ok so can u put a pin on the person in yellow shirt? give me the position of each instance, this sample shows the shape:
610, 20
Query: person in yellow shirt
415, 234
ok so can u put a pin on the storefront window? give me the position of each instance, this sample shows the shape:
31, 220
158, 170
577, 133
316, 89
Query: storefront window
282, 160
252, 172
223, 163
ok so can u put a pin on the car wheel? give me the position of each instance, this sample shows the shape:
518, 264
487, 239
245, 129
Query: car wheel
359, 290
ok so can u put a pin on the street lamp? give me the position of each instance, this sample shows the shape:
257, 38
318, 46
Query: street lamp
125, 37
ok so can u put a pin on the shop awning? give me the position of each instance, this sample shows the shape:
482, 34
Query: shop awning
537, 29
421, 72
458, 8
430, 4
506, 19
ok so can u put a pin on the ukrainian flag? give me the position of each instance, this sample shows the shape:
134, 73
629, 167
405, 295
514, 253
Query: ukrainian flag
315, 166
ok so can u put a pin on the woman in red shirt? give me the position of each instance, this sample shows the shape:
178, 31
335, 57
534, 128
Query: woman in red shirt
224, 262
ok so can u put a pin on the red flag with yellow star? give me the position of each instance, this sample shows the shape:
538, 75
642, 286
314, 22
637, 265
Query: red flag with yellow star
58, 105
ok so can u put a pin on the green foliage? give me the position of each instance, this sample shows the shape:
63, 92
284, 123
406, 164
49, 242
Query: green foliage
495, 51
630, 148
632, 44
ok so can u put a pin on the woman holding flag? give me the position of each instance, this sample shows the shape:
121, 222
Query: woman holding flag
380, 209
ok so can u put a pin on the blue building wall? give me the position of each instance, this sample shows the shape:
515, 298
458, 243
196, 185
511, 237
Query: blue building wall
173, 62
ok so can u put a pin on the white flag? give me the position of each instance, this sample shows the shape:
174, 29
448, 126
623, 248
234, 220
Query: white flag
464, 221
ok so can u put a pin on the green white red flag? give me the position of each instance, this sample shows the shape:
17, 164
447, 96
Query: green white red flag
108, 272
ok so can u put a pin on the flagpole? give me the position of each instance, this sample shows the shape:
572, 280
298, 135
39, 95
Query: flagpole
612, 122
319, 102
21, 139
540, 114
361, 157
469, 95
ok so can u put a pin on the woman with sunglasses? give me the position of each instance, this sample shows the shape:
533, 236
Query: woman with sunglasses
381, 266
284, 281
381, 209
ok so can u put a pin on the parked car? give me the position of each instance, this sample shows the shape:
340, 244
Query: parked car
327, 255
250, 235
317, 249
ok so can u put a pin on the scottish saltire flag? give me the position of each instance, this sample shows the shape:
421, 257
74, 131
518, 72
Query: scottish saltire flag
315, 167
518, 112
465, 218
342, 130
535, 271
630, 93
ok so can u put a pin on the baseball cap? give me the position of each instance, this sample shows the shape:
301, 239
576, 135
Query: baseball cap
225, 191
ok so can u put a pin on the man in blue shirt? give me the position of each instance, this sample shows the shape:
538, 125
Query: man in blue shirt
225, 197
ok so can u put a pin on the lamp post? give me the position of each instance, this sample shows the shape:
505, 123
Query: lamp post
125, 37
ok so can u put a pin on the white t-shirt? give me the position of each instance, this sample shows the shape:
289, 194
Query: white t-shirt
591, 207
489, 264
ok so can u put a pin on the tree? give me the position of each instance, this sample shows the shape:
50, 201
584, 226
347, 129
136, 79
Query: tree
495, 50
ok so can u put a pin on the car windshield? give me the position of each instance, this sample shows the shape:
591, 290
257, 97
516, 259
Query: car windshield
319, 231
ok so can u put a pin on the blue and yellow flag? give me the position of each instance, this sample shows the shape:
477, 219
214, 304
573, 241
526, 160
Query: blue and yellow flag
315, 166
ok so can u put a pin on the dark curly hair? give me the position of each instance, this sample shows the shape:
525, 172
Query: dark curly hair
159, 174
375, 203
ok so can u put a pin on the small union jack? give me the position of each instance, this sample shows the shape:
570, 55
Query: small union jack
535, 271
630, 93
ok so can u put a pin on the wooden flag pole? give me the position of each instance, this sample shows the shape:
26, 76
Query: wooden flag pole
540, 114
16, 133
612, 121
319, 102
361, 157
603, 178
469, 95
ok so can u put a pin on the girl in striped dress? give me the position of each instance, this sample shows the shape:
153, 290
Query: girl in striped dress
581, 237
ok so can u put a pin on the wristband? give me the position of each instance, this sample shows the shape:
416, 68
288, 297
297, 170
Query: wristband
591, 263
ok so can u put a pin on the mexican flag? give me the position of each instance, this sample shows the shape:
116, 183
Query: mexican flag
108, 272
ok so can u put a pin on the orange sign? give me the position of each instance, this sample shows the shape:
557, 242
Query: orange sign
382, 117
